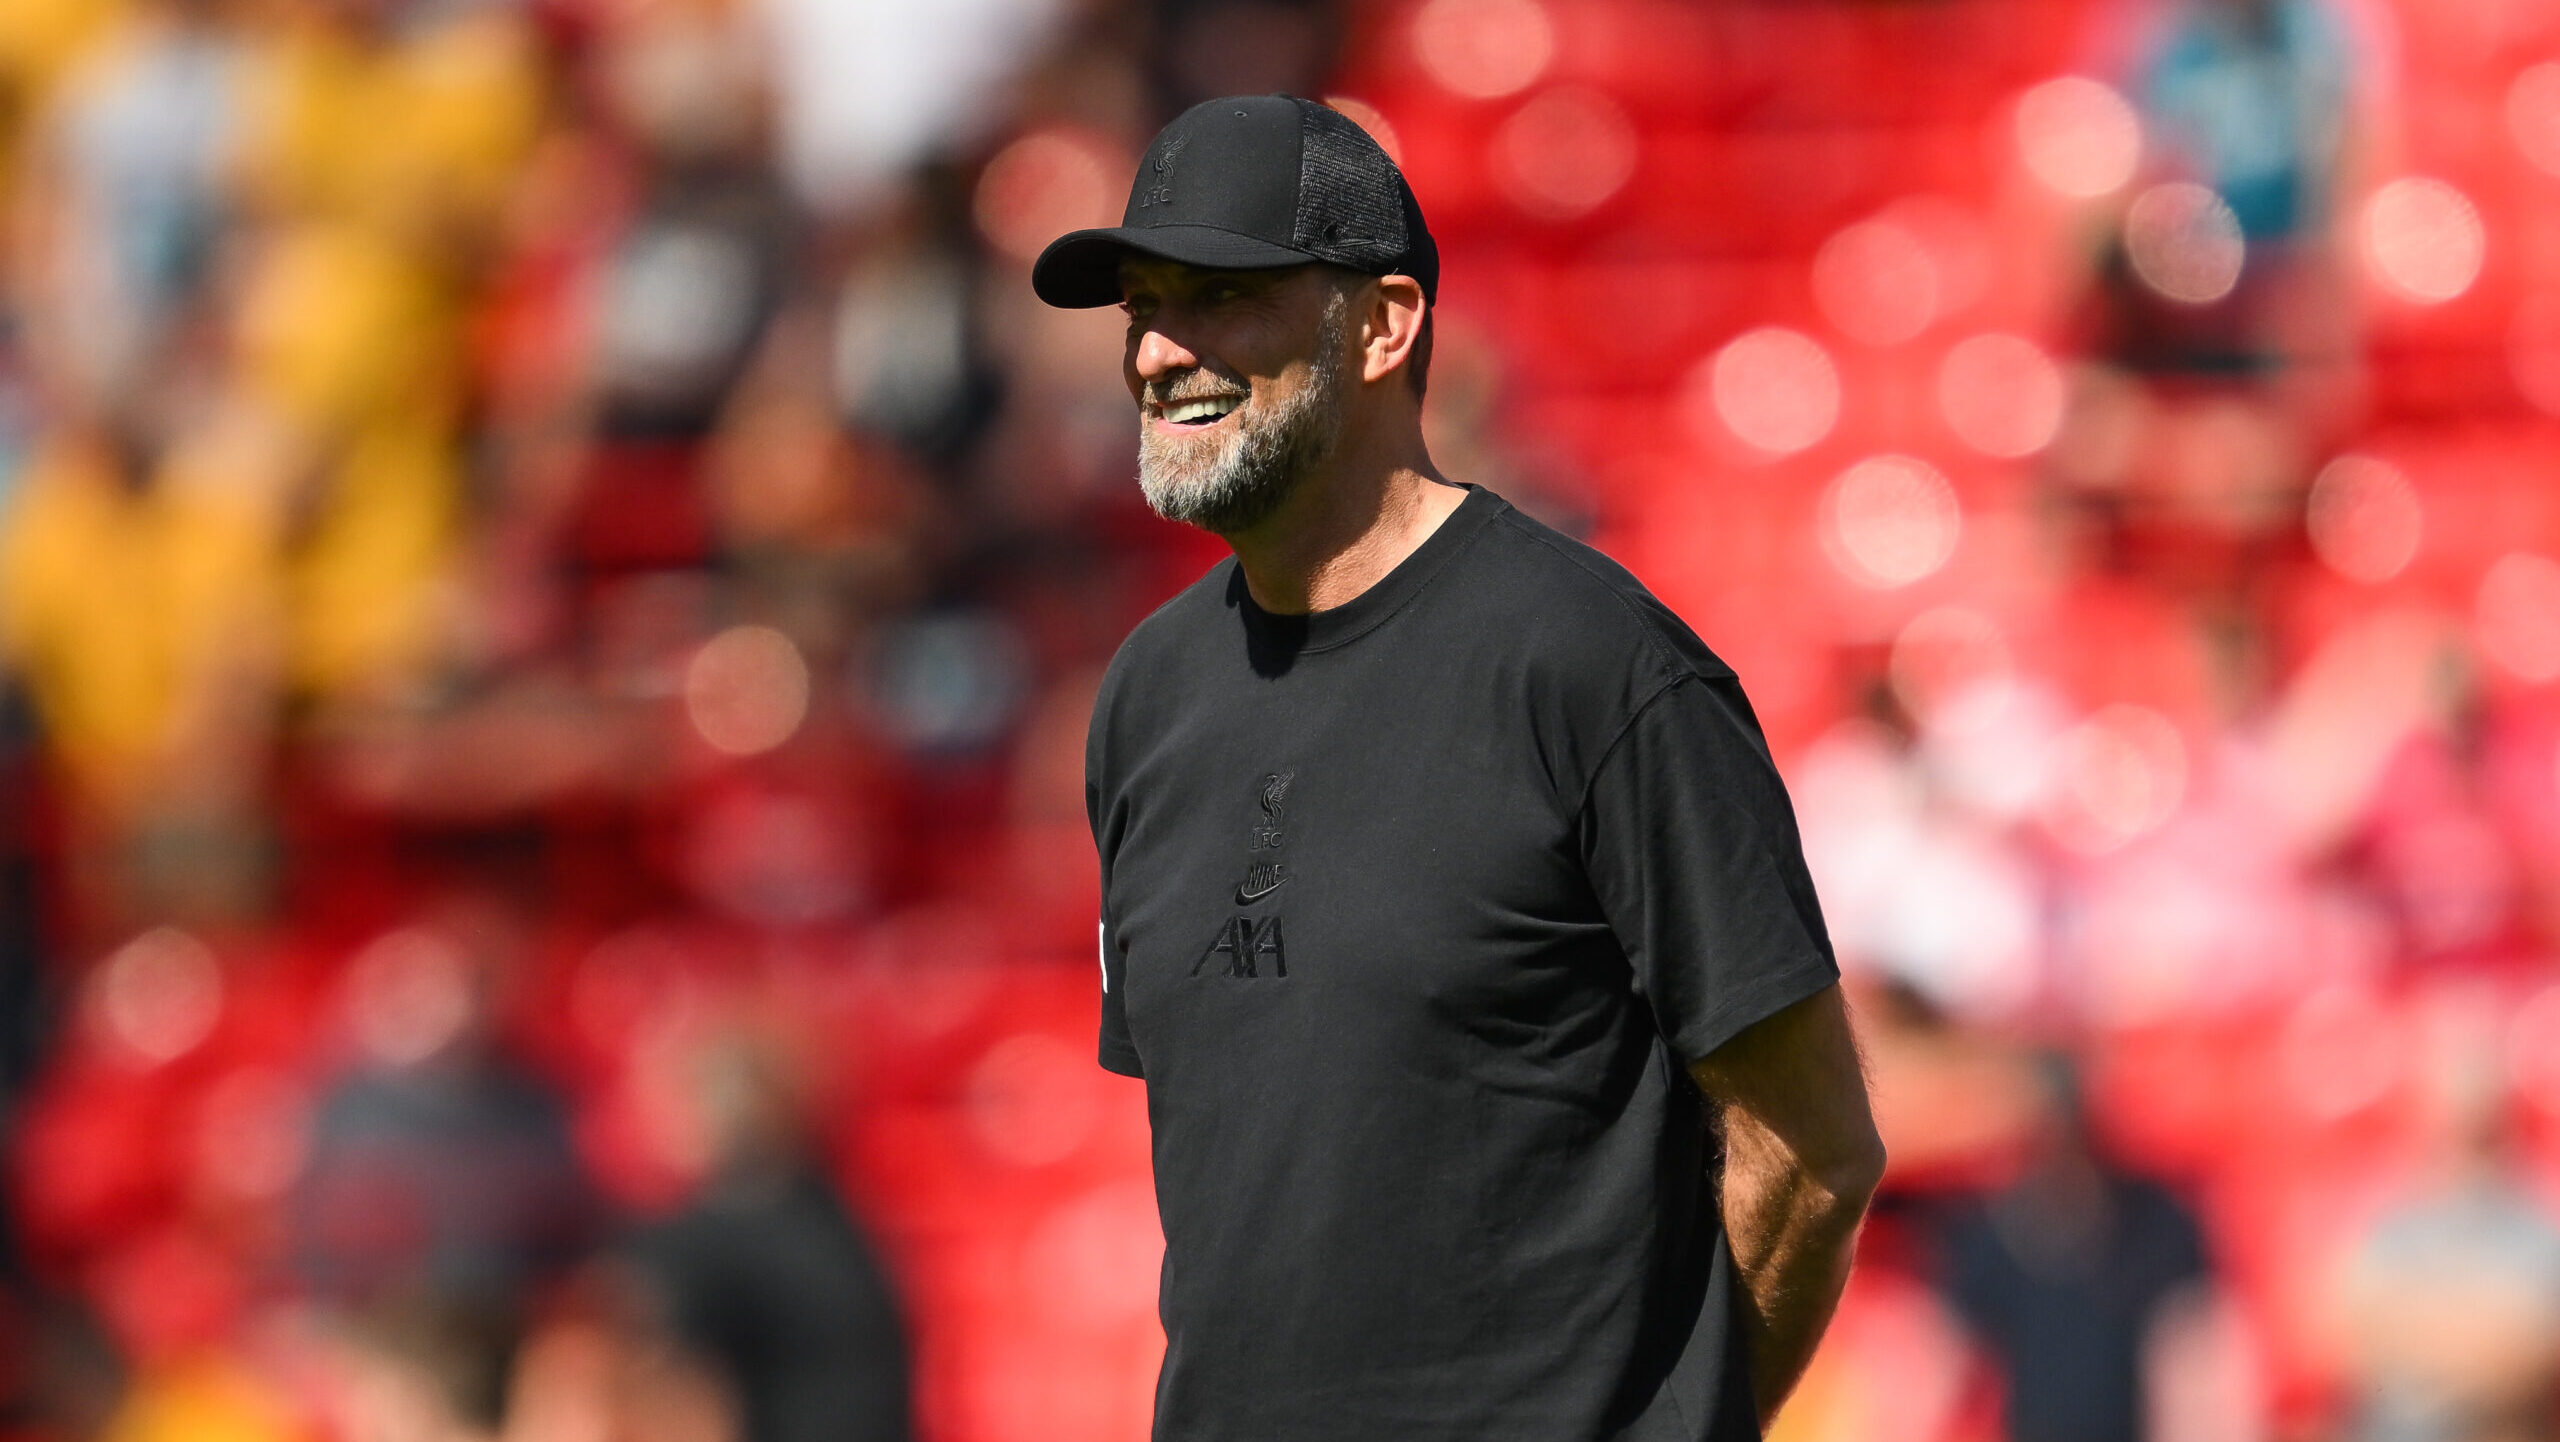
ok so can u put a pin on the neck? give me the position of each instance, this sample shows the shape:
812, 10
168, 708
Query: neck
1345, 527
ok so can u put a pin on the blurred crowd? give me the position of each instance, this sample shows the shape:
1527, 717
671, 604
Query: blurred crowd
533, 533
552, 574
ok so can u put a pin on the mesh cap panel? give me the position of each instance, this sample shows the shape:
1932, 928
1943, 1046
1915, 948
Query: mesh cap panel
1349, 208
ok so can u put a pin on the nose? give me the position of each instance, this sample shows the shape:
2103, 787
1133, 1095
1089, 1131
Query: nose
1155, 355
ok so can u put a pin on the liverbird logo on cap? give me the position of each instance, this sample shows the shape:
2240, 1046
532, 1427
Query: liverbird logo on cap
1161, 193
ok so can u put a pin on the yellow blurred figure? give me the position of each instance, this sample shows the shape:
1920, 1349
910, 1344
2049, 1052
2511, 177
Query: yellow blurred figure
377, 164
337, 330
210, 1400
137, 614
416, 136
292, 532
348, 343
366, 584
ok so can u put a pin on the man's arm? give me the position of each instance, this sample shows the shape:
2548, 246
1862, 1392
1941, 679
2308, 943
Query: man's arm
1801, 1158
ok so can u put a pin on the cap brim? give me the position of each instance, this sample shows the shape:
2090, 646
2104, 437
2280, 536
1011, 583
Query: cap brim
1081, 269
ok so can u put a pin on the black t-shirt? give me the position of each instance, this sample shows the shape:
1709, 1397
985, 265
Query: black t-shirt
1413, 910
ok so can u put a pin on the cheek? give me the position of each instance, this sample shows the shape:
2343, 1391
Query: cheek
1270, 393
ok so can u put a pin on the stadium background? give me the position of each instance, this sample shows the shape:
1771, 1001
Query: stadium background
553, 572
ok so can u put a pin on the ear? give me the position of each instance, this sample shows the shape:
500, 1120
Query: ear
1391, 326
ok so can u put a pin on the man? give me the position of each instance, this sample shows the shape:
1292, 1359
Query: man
1438, 858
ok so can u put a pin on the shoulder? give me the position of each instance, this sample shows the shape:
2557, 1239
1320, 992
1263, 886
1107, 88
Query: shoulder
1572, 605
1178, 623
1568, 643
1167, 639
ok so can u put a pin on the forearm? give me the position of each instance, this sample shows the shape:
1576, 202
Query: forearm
1793, 1230
1801, 1158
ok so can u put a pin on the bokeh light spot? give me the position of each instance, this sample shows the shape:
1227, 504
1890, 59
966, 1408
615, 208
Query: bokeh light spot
2424, 239
747, 690
1877, 282
2117, 775
1046, 184
1484, 49
160, 994
2001, 394
409, 996
2184, 242
2078, 137
2364, 519
2517, 615
1890, 520
1565, 153
2533, 115
1774, 388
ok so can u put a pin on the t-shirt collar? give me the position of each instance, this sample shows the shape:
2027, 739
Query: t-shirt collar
1339, 625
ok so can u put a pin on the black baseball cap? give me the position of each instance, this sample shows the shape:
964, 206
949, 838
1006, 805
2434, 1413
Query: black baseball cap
1247, 183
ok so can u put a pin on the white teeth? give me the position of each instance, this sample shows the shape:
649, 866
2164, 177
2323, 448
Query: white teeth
1211, 409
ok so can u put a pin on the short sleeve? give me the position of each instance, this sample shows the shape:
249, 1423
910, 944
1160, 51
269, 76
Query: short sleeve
1116, 1052
1692, 851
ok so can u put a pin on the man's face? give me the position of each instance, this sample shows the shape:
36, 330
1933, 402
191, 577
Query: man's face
1239, 379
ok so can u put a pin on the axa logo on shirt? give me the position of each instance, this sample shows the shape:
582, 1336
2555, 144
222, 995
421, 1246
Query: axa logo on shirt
1249, 941
1246, 944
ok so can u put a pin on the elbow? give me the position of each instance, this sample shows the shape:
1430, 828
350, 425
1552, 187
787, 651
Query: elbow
1854, 1174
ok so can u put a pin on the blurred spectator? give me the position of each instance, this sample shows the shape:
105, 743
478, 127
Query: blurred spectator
821, 529
437, 1165
2224, 266
2069, 1275
122, 207
385, 139
424, 1368
600, 1366
706, 246
2250, 99
872, 88
766, 1277
61, 1378
138, 604
2452, 1300
907, 364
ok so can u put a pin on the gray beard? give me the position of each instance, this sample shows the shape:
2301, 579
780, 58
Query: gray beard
1240, 480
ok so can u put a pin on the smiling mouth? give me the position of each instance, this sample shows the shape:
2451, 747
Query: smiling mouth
1199, 414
